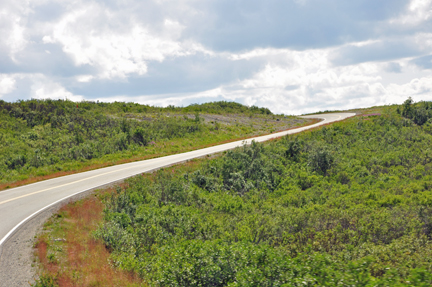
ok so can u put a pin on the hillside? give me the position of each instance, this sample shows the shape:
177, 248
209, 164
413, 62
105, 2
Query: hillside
348, 204
46, 138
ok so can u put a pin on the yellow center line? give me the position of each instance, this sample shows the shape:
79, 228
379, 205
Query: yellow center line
66, 184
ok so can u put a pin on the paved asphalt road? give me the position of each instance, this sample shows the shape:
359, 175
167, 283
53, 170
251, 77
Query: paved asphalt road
17, 205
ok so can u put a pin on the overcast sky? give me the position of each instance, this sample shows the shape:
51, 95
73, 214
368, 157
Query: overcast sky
292, 56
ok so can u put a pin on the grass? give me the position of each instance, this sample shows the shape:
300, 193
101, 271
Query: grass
67, 252
163, 148
79, 259
68, 255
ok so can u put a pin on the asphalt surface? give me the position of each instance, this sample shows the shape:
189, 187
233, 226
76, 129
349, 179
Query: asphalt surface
19, 205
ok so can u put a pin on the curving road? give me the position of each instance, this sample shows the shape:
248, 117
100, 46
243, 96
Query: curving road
19, 204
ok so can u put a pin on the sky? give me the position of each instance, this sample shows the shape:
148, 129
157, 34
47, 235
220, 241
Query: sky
291, 56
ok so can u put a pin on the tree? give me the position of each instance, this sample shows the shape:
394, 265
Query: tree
407, 108
293, 150
320, 159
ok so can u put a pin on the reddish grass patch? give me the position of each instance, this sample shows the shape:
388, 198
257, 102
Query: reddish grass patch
84, 260
41, 247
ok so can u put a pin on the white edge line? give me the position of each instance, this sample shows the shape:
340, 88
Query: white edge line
48, 206
64, 198
71, 195
243, 140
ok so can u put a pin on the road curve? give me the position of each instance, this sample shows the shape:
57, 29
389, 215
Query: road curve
17, 205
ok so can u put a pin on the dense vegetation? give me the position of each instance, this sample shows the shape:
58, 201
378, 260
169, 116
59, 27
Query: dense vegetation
419, 113
349, 204
223, 107
40, 137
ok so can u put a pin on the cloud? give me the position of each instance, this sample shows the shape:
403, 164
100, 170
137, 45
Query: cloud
292, 56
226, 25
188, 74
115, 45
7, 84
12, 31
182, 99
45, 89
418, 12
306, 81
424, 62
419, 89
38, 86
48, 59
393, 67
381, 50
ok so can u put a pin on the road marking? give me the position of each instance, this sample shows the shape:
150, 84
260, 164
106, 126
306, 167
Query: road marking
2, 240
84, 179
46, 207
266, 137
66, 184
247, 140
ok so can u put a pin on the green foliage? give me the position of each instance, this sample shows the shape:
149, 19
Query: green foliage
320, 159
407, 107
46, 281
293, 150
420, 113
224, 107
349, 205
46, 136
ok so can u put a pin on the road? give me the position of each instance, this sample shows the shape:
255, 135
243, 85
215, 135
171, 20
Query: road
17, 205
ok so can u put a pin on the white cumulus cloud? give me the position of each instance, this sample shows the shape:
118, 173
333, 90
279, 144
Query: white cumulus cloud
290, 56
96, 36
7, 84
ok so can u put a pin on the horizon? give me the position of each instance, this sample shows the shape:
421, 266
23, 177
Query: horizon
192, 104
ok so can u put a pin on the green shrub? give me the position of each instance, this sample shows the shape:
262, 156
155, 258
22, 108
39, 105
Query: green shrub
348, 205
320, 159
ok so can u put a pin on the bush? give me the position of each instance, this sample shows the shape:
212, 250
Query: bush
320, 159
256, 217
293, 150
420, 113
46, 281
140, 136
